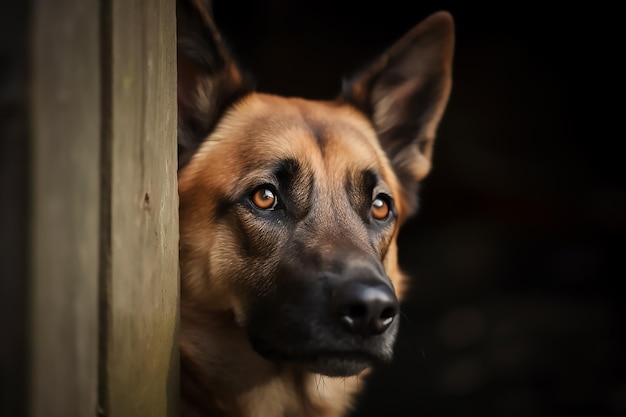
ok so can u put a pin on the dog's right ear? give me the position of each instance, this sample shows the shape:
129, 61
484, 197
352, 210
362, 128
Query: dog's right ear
208, 78
404, 93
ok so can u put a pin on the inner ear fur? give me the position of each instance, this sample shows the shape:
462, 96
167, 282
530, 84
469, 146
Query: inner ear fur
404, 93
209, 80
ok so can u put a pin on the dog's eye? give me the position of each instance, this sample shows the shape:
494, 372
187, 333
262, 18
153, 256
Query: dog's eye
380, 208
265, 199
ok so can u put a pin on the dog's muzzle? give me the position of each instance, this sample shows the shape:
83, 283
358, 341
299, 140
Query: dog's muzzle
337, 321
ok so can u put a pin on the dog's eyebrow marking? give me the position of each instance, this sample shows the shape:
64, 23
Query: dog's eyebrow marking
359, 186
364, 181
319, 134
285, 171
298, 182
370, 179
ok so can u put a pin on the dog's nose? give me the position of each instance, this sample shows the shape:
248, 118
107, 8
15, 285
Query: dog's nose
365, 309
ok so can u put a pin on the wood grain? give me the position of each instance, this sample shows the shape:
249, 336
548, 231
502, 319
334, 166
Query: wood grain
65, 196
141, 277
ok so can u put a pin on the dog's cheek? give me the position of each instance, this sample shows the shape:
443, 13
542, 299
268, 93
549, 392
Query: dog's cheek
224, 259
244, 261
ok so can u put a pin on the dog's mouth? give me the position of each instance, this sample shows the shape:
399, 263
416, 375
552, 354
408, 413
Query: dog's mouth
341, 364
329, 363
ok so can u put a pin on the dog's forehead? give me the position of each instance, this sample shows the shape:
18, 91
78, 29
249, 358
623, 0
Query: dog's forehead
265, 128
333, 144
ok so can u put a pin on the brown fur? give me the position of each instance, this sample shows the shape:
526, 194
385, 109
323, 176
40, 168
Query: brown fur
229, 257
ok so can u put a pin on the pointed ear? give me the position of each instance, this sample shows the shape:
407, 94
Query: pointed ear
208, 79
404, 93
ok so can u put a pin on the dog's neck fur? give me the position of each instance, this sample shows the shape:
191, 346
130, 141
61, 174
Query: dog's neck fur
222, 376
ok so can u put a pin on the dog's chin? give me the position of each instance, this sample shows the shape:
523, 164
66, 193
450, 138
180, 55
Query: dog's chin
339, 365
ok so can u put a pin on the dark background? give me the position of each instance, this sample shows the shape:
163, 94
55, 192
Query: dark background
515, 253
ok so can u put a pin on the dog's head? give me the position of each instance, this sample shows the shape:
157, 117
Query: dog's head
289, 209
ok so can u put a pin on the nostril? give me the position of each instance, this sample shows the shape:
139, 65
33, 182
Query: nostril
354, 315
387, 315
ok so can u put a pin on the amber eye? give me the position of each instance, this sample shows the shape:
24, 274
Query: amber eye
265, 199
380, 208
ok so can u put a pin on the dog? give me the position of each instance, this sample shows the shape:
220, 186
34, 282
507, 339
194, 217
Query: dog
289, 213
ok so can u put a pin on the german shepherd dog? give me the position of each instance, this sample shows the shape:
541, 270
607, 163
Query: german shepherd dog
289, 213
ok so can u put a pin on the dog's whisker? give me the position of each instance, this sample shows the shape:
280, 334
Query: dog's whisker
324, 383
406, 317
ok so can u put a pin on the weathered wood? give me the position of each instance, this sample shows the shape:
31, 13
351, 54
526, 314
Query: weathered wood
141, 270
90, 237
14, 192
65, 207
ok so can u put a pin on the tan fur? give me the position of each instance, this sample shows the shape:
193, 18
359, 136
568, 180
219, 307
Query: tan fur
210, 338
232, 137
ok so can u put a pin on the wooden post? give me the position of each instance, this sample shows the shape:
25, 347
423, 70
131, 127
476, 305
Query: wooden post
65, 208
89, 214
15, 40
140, 275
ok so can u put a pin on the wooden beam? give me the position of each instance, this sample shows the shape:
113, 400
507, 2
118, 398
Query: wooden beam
89, 288
140, 273
14, 209
65, 210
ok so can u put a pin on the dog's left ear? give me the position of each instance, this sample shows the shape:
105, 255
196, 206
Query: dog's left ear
404, 93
